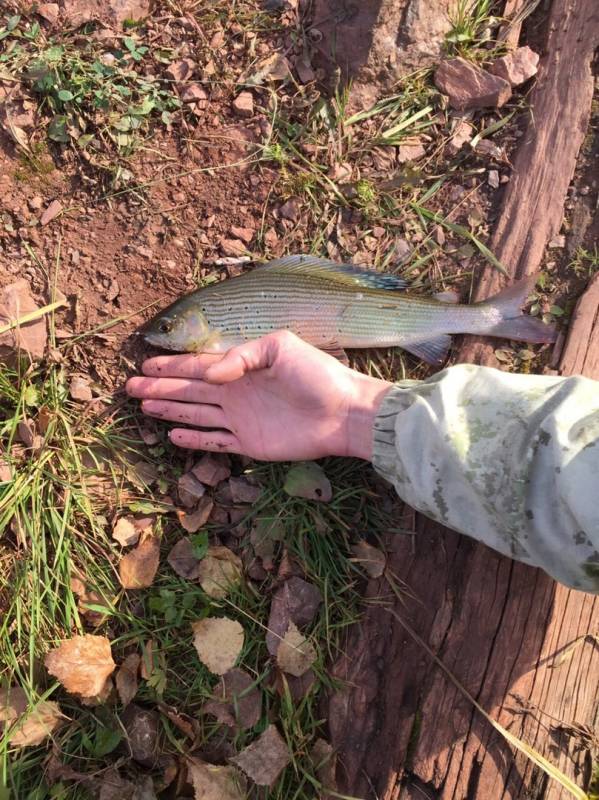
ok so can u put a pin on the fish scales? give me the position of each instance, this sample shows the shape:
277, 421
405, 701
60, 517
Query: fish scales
335, 306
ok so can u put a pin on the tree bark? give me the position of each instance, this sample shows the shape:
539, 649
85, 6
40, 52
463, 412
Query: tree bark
517, 641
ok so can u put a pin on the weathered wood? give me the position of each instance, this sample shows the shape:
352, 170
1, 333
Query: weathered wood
533, 204
402, 729
581, 354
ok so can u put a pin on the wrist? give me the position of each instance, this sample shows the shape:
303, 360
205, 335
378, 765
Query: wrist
366, 397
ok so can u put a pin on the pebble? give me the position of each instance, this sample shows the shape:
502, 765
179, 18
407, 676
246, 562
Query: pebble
493, 179
243, 105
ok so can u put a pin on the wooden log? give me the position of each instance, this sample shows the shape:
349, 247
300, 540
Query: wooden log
517, 641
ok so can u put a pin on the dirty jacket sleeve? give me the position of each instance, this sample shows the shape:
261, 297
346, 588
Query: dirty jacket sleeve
510, 460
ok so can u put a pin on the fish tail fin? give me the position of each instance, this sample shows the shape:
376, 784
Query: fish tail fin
513, 324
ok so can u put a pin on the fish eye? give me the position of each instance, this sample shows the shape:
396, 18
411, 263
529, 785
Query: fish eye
165, 326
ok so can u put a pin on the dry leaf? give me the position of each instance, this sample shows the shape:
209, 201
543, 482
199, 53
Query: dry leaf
265, 759
190, 490
308, 480
27, 727
371, 559
295, 654
82, 664
266, 532
125, 532
198, 518
296, 601
274, 68
212, 468
239, 703
126, 678
138, 568
219, 641
325, 765
297, 688
215, 783
79, 389
183, 561
242, 491
112, 787
219, 570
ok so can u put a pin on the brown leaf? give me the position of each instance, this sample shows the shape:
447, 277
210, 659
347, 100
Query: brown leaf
125, 532
243, 491
212, 468
197, 519
82, 664
266, 532
298, 688
190, 490
138, 568
219, 641
112, 787
126, 678
183, 561
324, 760
142, 726
28, 727
296, 601
371, 559
211, 782
295, 654
52, 211
238, 701
265, 759
16, 301
218, 571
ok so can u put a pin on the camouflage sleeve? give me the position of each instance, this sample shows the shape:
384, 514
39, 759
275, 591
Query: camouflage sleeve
510, 460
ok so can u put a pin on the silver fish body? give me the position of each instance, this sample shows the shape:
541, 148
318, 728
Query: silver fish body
334, 307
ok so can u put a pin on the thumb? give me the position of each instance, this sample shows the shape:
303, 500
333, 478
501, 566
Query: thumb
247, 357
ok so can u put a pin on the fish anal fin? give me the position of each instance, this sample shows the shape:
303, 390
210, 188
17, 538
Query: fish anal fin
434, 351
348, 274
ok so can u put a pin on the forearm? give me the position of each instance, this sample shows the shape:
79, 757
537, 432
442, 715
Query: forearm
511, 460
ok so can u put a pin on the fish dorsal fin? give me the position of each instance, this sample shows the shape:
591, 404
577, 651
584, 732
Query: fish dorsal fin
348, 274
434, 351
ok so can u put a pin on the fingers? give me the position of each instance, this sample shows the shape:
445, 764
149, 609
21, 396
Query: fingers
215, 441
187, 391
247, 357
199, 414
188, 365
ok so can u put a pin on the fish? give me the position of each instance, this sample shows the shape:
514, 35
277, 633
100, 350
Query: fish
336, 306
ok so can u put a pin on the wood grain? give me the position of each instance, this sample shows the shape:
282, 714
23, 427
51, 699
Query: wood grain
512, 636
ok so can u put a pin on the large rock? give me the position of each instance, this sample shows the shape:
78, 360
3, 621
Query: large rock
517, 67
376, 42
469, 86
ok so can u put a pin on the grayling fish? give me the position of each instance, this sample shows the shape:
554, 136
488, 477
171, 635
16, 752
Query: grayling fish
334, 306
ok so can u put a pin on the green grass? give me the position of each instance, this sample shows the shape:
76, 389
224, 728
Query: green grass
55, 523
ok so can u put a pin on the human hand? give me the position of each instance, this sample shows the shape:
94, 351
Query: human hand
274, 399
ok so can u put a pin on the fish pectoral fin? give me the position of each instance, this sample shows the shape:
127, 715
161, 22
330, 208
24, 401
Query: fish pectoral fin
337, 352
433, 351
348, 274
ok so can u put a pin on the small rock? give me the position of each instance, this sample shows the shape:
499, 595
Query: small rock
290, 209
493, 179
142, 727
232, 247
194, 93
504, 179
48, 11
469, 86
378, 232
410, 152
180, 71
53, 210
16, 301
190, 489
557, 241
271, 238
146, 252
402, 250
243, 105
35, 203
439, 235
212, 469
79, 389
516, 67
462, 134
304, 70
113, 291
245, 234
487, 148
